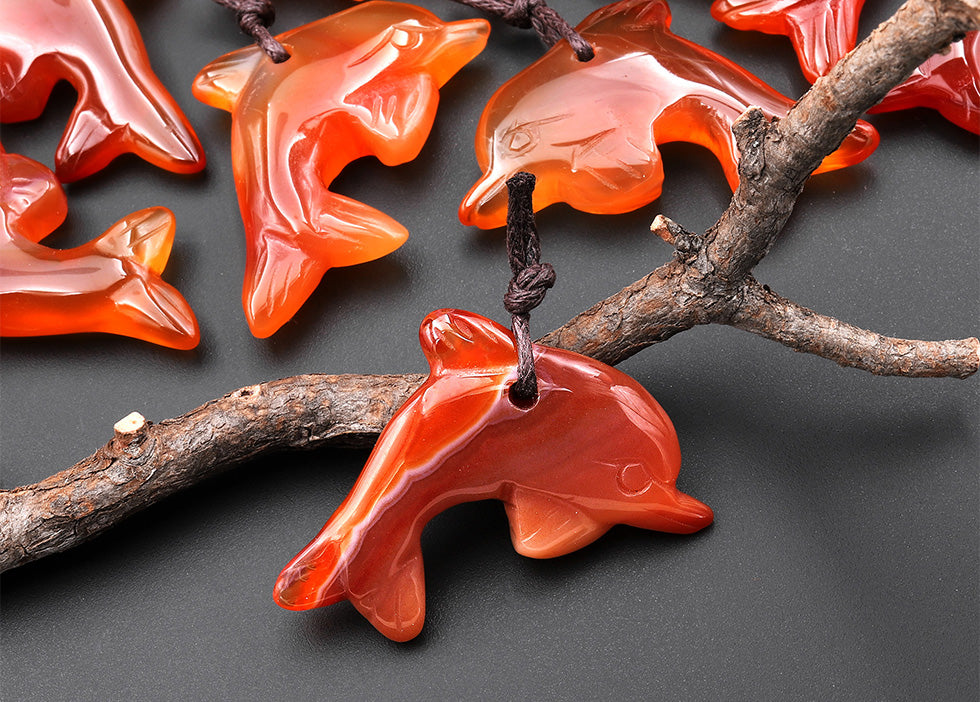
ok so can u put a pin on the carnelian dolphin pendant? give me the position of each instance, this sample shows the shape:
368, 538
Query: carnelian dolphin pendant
363, 81
122, 106
948, 83
589, 131
111, 284
594, 451
822, 31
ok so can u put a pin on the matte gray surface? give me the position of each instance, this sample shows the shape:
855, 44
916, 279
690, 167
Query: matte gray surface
843, 563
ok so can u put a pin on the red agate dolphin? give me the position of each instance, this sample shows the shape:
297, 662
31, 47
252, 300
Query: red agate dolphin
589, 130
822, 31
111, 284
362, 82
595, 450
947, 82
122, 106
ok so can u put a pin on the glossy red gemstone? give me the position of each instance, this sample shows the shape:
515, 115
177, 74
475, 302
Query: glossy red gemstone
589, 130
595, 450
362, 82
111, 284
822, 31
122, 106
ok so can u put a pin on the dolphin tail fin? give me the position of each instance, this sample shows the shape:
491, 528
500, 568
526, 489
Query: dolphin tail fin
821, 39
545, 526
220, 82
392, 595
145, 236
285, 265
389, 590
150, 309
148, 123
628, 16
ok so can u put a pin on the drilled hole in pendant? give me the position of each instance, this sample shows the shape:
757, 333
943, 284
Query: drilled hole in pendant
520, 402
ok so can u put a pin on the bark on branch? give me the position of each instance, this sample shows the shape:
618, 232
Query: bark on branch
707, 281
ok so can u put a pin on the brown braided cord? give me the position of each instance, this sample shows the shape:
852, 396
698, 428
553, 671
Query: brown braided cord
529, 284
549, 25
255, 17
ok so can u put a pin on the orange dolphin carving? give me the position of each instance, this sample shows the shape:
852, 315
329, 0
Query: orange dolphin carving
595, 450
122, 106
364, 81
111, 284
948, 83
589, 131
822, 31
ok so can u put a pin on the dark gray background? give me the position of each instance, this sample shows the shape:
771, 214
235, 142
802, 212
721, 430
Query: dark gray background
843, 563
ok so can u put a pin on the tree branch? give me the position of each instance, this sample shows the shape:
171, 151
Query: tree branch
146, 462
765, 313
776, 159
707, 281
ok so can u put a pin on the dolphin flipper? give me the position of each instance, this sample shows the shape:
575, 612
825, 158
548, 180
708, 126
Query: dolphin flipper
398, 115
392, 596
220, 82
34, 203
545, 526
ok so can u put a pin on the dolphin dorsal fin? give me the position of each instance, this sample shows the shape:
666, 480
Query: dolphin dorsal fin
546, 526
30, 196
144, 236
455, 341
220, 82
629, 16
397, 114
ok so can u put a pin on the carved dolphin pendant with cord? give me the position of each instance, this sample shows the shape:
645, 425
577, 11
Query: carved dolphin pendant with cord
594, 450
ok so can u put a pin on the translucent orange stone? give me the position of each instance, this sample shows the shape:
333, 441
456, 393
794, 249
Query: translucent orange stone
822, 31
364, 81
948, 83
111, 284
589, 131
594, 451
122, 106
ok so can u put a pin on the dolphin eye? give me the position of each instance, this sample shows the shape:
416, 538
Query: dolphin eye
404, 38
634, 479
519, 140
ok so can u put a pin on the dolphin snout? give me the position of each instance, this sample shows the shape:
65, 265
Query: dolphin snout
674, 512
310, 579
689, 514
459, 43
485, 205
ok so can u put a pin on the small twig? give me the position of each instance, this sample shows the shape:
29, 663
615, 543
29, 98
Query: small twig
146, 462
255, 17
